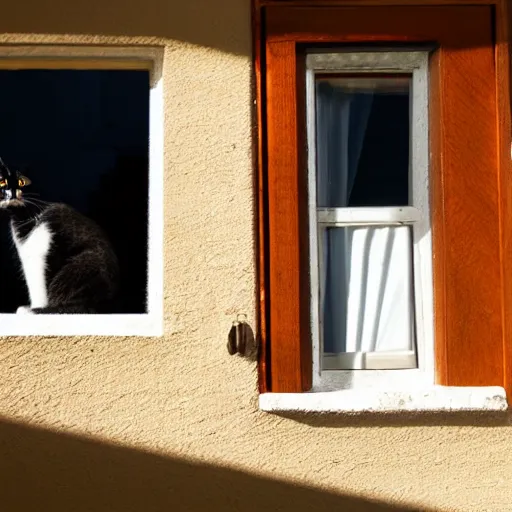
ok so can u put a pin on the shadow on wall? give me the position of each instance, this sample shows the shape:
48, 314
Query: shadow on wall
46, 471
222, 24
402, 419
218, 24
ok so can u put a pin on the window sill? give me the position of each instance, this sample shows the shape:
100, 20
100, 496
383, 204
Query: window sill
432, 399
144, 324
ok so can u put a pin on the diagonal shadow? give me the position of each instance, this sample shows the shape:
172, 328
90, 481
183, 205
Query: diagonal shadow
222, 24
47, 471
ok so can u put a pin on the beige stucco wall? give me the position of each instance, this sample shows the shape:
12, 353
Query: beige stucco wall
172, 423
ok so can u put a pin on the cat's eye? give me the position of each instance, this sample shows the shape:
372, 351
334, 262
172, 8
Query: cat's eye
3, 183
23, 181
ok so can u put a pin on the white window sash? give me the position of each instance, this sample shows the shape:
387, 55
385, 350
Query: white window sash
383, 360
417, 215
104, 57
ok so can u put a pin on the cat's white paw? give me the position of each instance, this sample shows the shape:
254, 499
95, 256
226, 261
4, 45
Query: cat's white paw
24, 310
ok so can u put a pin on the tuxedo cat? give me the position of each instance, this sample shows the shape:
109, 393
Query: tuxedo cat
68, 263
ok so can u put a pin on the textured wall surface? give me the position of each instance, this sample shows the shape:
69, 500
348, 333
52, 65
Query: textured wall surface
99, 424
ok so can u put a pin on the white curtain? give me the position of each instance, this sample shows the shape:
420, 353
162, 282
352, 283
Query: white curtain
366, 293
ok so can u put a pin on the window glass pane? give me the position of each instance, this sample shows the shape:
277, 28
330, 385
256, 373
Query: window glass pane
366, 296
362, 140
81, 136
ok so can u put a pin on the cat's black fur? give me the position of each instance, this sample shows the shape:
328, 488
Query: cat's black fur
82, 271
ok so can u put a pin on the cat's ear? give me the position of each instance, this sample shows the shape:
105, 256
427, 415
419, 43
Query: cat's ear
4, 171
23, 181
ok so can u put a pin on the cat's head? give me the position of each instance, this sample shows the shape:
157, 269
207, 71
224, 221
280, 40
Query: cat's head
11, 185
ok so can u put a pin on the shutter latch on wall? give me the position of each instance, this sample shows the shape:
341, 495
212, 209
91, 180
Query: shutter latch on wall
241, 337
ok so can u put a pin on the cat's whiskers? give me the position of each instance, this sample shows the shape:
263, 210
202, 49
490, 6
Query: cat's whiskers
29, 200
20, 225
35, 199
35, 205
31, 194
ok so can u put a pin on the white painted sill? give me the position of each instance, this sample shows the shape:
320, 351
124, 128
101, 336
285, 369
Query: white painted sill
351, 401
143, 324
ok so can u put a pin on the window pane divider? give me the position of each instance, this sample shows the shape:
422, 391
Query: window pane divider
374, 216
378, 360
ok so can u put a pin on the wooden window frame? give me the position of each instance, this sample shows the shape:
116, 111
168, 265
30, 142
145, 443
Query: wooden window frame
471, 348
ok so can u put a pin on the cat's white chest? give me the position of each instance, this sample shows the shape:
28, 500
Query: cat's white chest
33, 252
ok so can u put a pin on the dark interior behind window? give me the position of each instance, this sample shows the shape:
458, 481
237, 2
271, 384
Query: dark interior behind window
83, 138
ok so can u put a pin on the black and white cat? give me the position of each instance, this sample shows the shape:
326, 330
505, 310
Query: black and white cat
68, 263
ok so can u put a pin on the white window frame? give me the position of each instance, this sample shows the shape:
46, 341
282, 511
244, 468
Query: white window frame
417, 215
93, 58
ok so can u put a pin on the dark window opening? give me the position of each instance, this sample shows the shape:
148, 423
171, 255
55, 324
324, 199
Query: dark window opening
363, 140
83, 139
